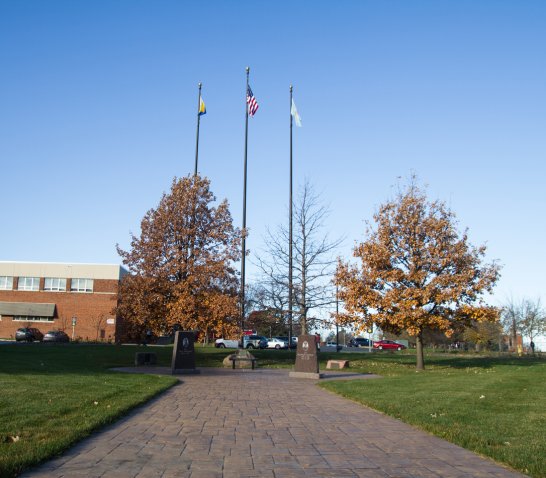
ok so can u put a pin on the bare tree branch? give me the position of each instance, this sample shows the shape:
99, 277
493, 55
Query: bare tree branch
313, 258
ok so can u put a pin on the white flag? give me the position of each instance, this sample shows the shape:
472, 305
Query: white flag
295, 115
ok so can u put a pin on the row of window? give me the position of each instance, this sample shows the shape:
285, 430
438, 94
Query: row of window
51, 284
30, 318
25, 318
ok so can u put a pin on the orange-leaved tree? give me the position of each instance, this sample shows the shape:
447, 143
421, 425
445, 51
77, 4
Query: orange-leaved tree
416, 272
182, 265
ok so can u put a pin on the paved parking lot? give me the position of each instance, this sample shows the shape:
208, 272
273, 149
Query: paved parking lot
244, 423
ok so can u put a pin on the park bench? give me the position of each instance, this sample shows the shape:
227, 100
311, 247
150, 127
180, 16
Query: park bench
337, 364
145, 358
241, 358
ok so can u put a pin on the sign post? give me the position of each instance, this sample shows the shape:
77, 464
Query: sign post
74, 320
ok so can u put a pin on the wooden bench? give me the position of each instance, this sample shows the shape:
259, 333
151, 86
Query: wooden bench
145, 358
337, 364
237, 358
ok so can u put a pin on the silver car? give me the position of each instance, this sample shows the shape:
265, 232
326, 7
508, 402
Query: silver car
277, 343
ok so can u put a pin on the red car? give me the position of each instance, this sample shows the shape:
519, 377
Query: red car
388, 345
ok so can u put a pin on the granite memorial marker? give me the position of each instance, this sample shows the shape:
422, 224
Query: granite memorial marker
307, 365
183, 360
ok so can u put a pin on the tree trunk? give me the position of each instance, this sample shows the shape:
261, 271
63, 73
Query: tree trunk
419, 352
514, 336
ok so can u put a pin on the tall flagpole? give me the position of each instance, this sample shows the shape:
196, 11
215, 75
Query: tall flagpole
290, 237
198, 121
244, 214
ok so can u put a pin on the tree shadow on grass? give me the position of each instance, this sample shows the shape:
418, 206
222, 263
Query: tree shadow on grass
484, 361
436, 361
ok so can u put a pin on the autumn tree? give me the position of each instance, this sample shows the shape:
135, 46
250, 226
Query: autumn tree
313, 260
416, 272
182, 265
267, 303
483, 334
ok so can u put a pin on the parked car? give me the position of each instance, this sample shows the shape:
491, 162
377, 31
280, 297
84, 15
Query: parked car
388, 345
56, 336
223, 343
28, 334
359, 342
277, 343
294, 341
255, 342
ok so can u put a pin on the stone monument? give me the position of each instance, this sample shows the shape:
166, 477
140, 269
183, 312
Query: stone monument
307, 365
183, 353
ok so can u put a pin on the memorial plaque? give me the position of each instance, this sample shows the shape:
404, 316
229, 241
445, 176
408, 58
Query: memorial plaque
307, 365
184, 353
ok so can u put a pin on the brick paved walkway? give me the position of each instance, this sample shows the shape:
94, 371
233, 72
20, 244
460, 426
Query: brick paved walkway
243, 423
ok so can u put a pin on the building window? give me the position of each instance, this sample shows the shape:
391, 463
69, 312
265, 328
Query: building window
28, 318
54, 284
81, 285
29, 283
6, 283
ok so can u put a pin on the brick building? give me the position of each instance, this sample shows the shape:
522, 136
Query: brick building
51, 296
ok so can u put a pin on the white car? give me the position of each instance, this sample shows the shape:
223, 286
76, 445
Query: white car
223, 343
277, 343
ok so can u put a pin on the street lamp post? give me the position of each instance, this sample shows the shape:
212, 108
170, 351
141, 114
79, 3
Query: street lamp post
337, 321
74, 320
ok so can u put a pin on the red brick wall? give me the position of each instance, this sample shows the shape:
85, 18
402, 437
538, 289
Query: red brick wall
91, 309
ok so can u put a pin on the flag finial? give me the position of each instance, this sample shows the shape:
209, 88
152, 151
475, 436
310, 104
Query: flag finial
247, 69
199, 85
290, 88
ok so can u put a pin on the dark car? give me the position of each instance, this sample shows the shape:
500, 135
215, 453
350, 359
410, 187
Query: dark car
56, 336
28, 334
359, 342
388, 345
255, 342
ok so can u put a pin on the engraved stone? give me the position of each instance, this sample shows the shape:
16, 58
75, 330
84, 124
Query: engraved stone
183, 360
307, 365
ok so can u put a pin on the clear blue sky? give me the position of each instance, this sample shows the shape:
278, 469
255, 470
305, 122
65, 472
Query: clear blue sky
98, 103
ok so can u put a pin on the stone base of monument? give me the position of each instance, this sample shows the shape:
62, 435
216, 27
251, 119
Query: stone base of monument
314, 376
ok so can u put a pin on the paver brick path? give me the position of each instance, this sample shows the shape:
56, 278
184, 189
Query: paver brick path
261, 423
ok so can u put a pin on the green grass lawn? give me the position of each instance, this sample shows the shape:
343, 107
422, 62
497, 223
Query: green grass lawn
493, 406
53, 395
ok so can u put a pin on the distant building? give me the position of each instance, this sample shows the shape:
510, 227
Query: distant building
76, 298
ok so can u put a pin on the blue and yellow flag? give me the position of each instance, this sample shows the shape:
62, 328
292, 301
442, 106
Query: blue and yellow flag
202, 107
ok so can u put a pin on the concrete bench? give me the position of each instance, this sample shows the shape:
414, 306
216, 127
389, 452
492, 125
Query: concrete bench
236, 358
145, 358
337, 364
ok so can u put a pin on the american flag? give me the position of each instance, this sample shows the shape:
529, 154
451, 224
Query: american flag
251, 102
